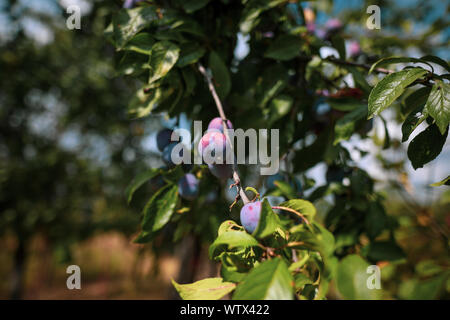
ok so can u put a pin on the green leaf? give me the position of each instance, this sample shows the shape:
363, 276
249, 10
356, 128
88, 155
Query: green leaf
393, 60
190, 53
415, 100
230, 240
437, 60
412, 121
268, 221
375, 220
164, 56
271, 280
127, 23
139, 180
286, 189
236, 265
190, 81
351, 279
250, 16
314, 153
221, 75
193, 5
279, 107
305, 207
206, 289
133, 63
314, 237
159, 209
142, 104
426, 268
141, 43
274, 80
387, 137
229, 225
169, 35
428, 289
345, 126
438, 105
445, 181
385, 251
359, 79
426, 146
339, 44
284, 48
301, 280
390, 88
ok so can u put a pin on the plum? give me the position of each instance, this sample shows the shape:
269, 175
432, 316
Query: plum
213, 143
217, 124
332, 27
167, 154
188, 186
250, 214
128, 4
163, 138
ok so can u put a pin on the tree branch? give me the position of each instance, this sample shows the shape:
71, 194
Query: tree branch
425, 82
212, 89
355, 64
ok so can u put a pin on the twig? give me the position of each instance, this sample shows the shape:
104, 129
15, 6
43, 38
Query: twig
293, 211
355, 64
212, 89
425, 82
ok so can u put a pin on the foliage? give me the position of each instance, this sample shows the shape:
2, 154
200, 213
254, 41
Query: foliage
293, 253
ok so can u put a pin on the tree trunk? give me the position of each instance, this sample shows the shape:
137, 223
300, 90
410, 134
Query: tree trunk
16, 290
190, 256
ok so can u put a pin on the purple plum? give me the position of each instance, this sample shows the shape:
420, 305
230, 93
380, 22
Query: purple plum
188, 186
167, 154
128, 4
250, 214
217, 124
163, 138
213, 143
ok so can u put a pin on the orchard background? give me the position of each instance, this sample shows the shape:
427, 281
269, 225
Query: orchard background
363, 117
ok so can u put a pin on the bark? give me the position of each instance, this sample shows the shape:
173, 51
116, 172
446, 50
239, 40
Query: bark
17, 276
190, 258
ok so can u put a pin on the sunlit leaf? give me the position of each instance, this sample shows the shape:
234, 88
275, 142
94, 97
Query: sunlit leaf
206, 289
390, 88
271, 280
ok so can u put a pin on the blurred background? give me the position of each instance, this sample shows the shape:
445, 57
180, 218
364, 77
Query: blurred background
68, 150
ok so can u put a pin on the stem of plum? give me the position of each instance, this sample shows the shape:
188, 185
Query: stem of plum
293, 211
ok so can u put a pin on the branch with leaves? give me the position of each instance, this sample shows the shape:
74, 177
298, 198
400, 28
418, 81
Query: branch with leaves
212, 89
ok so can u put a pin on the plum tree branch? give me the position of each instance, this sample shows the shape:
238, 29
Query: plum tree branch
212, 89
425, 82
355, 64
